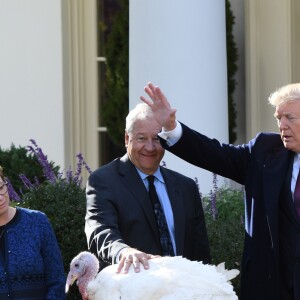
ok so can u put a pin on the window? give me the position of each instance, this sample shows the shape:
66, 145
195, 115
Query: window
106, 12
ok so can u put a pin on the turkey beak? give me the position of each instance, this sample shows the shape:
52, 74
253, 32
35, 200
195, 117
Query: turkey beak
70, 280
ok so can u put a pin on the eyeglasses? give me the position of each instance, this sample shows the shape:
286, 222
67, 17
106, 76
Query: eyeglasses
3, 187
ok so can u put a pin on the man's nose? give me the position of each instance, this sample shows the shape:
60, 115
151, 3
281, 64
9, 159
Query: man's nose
283, 124
150, 145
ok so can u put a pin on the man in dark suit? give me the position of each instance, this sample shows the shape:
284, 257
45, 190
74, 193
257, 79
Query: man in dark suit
121, 224
268, 166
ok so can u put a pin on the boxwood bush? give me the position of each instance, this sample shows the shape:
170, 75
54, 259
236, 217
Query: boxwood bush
224, 214
20, 160
63, 200
64, 204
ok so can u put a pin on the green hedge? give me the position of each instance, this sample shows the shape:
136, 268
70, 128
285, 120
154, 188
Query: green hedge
64, 204
224, 213
19, 160
63, 200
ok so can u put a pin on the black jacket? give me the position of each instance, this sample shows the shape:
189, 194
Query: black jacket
119, 213
262, 166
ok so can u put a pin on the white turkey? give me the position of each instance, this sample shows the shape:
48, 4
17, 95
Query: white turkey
168, 278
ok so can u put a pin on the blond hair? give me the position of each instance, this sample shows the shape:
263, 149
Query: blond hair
284, 94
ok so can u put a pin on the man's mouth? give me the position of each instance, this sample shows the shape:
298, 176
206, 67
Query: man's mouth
286, 137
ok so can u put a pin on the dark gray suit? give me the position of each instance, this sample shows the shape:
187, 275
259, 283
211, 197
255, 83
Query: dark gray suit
119, 213
271, 258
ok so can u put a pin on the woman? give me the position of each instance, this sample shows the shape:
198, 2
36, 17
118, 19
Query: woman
31, 266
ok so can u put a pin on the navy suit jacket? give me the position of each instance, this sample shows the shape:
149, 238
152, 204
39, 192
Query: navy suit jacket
119, 213
262, 166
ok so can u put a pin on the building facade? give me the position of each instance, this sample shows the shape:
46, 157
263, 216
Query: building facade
52, 68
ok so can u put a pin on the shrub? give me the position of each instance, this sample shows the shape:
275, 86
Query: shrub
19, 160
64, 204
115, 106
224, 213
232, 57
62, 199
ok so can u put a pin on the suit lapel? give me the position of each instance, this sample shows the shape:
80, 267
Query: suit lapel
175, 197
133, 182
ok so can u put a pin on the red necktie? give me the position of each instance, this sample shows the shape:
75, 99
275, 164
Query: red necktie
297, 196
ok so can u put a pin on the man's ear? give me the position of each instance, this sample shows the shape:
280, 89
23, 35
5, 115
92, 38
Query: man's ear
126, 139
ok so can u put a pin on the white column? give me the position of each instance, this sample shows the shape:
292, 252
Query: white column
31, 94
181, 46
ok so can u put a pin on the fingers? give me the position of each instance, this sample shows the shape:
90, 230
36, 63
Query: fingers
163, 113
150, 256
134, 259
150, 93
153, 92
136, 264
144, 261
124, 264
157, 96
147, 101
120, 265
127, 264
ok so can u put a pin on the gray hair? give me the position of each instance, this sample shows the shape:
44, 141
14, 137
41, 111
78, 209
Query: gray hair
284, 94
141, 111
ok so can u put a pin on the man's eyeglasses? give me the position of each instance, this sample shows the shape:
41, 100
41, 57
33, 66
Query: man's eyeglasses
3, 187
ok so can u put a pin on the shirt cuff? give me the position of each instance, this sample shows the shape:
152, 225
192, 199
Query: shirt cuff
173, 136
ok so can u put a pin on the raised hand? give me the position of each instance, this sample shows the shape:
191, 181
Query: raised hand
163, 113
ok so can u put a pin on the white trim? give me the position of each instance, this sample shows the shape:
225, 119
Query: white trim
268, 59
80, 81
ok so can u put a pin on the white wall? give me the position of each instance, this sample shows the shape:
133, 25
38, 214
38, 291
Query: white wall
31, 75
180, 46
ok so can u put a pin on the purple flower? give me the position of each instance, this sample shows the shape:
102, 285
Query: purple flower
215, 182
26, 182
213, 197
79, 167
13, 195
77, 178
43, 161
36, 181
86, 165
48, 173
213, 204
69, 175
